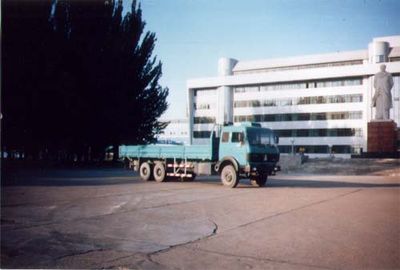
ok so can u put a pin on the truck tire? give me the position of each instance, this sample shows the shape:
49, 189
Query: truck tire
229, 176
159, 172
145, 171
259, 181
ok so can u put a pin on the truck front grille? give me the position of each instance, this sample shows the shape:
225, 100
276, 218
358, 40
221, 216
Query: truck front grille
256, 157
273, 157
262, 157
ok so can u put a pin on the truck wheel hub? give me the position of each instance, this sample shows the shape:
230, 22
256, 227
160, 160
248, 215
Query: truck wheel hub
228, 177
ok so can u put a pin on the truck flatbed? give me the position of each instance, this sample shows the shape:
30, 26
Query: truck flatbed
167, 151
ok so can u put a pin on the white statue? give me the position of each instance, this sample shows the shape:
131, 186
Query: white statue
382, 99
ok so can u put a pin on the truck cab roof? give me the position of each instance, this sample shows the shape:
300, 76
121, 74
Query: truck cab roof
248, 124
241, 126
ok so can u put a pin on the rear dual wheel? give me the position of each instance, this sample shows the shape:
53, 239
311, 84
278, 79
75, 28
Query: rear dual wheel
159, 173
145, 171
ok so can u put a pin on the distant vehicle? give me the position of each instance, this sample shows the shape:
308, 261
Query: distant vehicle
235, 151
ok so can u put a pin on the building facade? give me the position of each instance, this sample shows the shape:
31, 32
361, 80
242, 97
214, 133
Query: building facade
177, 132
319, 104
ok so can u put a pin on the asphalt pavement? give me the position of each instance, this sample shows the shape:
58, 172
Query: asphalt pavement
109, 218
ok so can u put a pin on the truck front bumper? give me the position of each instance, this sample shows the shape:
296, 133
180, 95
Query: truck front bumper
267, 168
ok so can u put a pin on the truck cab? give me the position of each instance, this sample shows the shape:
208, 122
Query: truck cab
246, 151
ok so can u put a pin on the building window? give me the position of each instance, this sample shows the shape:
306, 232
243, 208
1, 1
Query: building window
301, 133
204, 92
299, 117
204, 120
353, 98
300, 85
341, 149
379, 58
240, 90
201, 134
285, 133
202, 106
318, 149
250, 89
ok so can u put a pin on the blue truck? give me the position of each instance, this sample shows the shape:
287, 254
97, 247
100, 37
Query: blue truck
235, 152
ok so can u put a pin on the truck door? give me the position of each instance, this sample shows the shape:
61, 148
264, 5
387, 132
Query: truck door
233, 144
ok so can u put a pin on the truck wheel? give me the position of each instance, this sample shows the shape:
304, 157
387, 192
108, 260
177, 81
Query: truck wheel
145, 171
159, 172
229, 176
259, 181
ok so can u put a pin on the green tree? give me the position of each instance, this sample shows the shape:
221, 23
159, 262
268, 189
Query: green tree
25, 32
95, 79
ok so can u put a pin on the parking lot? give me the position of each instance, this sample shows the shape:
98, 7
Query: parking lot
109, 218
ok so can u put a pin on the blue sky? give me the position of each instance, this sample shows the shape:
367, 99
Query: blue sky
193, 34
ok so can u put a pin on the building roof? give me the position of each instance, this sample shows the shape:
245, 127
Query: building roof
301, 60
394, 52
394, 41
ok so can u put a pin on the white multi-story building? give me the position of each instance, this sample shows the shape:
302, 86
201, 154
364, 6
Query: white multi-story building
316, 103
177, 132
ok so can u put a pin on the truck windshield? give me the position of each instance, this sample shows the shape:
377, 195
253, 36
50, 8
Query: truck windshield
259, 136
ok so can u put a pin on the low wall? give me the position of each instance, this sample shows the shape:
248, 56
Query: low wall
290, 162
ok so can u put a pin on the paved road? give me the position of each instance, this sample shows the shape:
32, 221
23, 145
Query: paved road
110, 219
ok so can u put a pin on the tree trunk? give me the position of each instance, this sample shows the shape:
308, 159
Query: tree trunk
115, 152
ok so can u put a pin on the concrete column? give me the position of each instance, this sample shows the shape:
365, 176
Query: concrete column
224, 105
225, 66
190, 113
225, 93
378, 52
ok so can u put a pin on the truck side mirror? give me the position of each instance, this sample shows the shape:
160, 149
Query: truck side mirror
240, 139
276, 139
